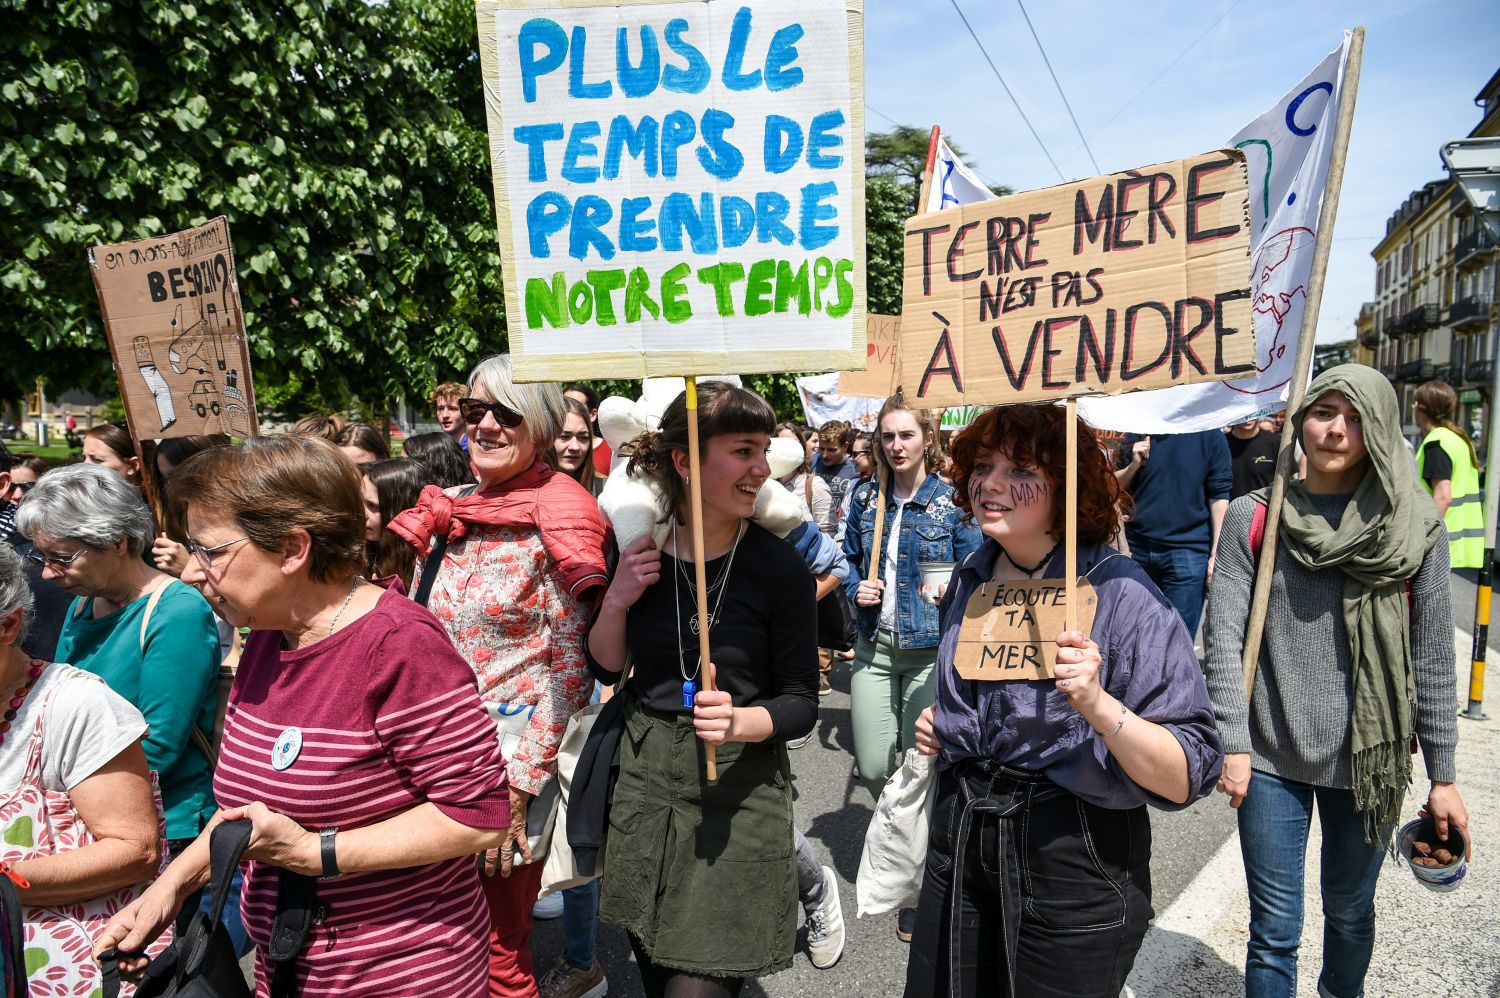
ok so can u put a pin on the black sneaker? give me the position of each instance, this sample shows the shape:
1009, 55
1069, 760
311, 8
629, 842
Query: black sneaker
906, 924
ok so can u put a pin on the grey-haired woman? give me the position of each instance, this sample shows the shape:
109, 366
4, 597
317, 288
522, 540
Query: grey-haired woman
147, 635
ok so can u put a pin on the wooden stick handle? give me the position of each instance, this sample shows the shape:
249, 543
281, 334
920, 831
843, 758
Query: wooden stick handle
1070, 519
1302, 366
700, 571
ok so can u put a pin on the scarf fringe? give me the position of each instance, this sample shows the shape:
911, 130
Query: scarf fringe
1381, 774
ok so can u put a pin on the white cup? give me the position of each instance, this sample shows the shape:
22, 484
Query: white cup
935, 576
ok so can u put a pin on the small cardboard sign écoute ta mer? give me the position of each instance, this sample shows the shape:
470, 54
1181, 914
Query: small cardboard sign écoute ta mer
1010, 629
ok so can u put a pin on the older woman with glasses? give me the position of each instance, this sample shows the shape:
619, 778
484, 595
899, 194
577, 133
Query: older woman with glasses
147, 635
355, 741
523, 551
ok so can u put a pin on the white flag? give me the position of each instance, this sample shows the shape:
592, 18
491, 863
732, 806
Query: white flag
1288, 149
822, 401
953, 183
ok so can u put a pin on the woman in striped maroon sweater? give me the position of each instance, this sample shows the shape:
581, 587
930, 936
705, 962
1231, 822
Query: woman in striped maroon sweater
355, 740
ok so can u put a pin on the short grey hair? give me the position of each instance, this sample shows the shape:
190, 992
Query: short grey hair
89, 504
541, 403
15, 590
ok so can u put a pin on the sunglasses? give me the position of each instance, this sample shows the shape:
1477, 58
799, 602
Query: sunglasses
474, 409
40, 558
22, 487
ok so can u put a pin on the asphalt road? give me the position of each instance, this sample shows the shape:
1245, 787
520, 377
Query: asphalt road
833, 813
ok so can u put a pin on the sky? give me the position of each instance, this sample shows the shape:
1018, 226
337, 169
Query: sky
1156, 80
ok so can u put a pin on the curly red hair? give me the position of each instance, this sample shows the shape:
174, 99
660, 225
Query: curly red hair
1035, 435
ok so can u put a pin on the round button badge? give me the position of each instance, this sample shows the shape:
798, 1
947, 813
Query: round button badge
288, 746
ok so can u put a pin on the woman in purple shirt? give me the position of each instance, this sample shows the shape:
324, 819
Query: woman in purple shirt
1038, 873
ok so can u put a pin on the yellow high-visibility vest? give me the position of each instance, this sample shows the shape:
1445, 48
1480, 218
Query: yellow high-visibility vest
1464, 519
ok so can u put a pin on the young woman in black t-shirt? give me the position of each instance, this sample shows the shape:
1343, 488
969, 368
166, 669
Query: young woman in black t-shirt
702, 875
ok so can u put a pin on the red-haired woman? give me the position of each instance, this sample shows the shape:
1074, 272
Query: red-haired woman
1040, 840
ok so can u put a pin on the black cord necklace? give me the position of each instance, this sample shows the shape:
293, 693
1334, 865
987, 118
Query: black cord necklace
1033, 569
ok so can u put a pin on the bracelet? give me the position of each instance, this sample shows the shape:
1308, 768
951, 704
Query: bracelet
1116, 729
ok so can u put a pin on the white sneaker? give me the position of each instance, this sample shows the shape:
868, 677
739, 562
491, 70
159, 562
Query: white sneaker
825, 926
549, 907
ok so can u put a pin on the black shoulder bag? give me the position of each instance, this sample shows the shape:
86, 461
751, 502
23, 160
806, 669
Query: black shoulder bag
201, 963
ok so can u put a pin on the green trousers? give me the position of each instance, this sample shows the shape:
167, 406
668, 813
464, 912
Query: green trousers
889, 688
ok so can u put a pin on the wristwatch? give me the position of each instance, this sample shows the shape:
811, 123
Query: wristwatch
330, 856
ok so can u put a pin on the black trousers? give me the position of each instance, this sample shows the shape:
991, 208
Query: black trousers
1029, 891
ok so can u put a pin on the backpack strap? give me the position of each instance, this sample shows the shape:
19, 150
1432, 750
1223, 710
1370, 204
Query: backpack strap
1258, 538
199, 739
435, 561
150, 609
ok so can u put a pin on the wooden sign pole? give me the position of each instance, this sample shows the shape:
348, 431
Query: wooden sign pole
1302, 366
881, 477
700, 572
1070, 517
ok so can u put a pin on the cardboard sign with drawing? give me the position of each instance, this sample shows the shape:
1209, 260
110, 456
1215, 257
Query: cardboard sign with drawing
172, 317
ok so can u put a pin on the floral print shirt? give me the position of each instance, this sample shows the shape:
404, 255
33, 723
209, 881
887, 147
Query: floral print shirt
502, 600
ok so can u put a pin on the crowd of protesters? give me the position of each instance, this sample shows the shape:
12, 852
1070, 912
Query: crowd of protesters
412, 638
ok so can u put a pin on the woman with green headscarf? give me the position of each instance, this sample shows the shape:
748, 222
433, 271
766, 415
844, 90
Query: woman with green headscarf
1357, 658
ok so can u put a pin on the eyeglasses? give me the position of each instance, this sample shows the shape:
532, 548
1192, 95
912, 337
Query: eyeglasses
22, 487
44, 559
205, 555
474, 410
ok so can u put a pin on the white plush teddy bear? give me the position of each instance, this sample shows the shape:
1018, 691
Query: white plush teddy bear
633, 506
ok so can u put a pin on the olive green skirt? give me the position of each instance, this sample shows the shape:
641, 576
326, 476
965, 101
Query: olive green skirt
703, 874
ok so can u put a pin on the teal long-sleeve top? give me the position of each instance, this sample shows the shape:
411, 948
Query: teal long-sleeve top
171, 678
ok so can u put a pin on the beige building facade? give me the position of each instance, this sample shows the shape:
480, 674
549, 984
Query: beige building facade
1434, 314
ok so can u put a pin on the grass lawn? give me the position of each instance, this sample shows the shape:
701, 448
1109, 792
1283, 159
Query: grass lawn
61, 453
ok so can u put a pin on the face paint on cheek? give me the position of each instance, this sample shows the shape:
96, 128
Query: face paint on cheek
1029, 494
975, 485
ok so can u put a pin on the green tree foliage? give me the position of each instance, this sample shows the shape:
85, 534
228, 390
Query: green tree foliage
887, 205
894, 163
343, 139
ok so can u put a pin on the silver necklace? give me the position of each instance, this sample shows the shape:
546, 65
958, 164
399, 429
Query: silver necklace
689, 684
344, 605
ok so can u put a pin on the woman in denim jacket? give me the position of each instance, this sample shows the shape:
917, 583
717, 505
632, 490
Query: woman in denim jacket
898, 628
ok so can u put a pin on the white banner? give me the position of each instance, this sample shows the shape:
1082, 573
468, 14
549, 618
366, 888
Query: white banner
1288, 149
953, 183
821, 402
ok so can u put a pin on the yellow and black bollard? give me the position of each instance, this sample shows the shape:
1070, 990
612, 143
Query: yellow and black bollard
1475, 710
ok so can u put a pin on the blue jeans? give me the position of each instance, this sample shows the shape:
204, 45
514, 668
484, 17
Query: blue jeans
1273, 824
580, 924
1180, 574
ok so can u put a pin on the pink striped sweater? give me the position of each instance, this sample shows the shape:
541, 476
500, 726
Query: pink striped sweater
389, 717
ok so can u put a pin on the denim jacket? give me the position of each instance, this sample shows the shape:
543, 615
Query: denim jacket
932, 529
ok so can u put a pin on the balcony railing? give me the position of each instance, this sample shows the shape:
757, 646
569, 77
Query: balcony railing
1479, 372
1420, 319
1370, 338
1453, 374
1468, 312
1476, 242
1415, 370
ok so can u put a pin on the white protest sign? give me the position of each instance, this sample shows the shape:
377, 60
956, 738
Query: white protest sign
1288, 150
679, 187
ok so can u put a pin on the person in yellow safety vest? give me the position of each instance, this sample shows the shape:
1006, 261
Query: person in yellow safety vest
1449, 466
